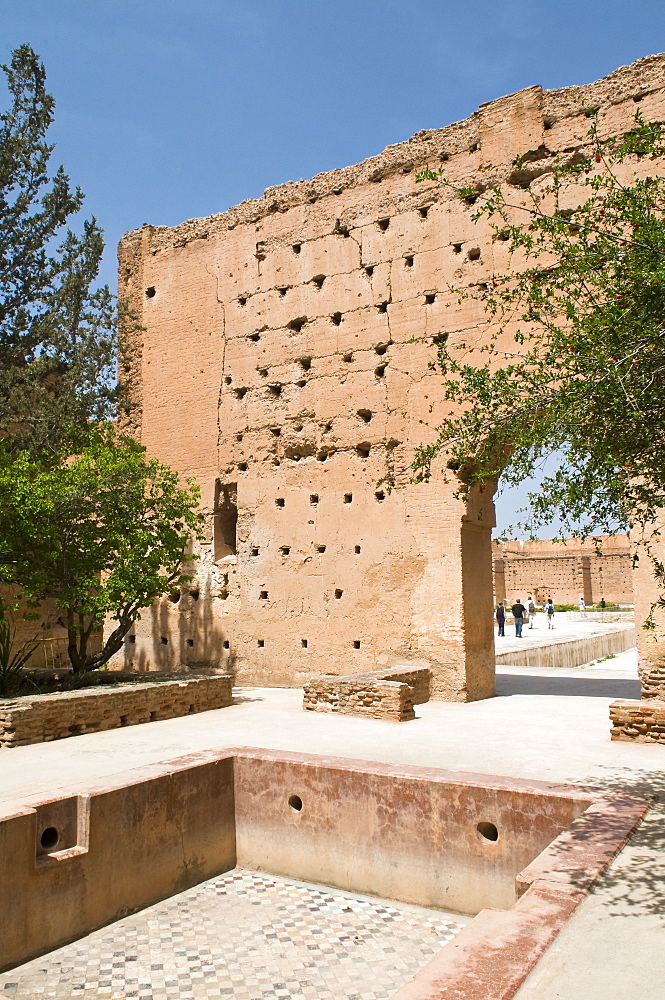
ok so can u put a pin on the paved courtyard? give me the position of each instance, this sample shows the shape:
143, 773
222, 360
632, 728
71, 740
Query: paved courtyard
245, 936
548, 724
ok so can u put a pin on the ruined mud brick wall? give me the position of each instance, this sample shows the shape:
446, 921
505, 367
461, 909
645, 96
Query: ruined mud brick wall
382, 694
564, 571
283, 363
56, 716
638, 721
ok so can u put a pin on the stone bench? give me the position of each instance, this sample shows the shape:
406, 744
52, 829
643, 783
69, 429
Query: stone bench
45, 717
378, 694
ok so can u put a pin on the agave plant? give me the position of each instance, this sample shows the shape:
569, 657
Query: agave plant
12, 662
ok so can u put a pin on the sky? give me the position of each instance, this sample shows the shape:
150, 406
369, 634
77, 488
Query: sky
172, 109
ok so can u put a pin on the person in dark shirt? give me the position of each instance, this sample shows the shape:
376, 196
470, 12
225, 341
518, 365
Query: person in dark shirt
501, 618
518, 610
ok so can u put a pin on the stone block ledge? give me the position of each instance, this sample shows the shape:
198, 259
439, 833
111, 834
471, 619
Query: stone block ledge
638, 721
379, 694
45, 717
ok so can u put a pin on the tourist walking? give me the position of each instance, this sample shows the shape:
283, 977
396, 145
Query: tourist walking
501, 618
603, 605
582, 604
518, 610
549, 611
531, 608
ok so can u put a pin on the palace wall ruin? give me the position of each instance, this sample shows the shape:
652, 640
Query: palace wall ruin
283, 364
564, 571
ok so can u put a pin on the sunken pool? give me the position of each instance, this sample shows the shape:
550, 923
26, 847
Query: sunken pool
512, 858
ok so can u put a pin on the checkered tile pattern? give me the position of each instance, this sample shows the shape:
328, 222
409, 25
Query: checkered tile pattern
246, 936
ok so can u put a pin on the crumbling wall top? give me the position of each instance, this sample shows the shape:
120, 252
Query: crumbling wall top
427, 147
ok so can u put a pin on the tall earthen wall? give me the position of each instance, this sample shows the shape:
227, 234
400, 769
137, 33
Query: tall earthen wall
283, 363
564, 571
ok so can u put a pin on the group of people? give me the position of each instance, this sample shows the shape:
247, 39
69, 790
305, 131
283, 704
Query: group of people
523, 614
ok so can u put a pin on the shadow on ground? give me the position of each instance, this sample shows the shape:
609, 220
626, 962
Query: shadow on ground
572, 687
635, 881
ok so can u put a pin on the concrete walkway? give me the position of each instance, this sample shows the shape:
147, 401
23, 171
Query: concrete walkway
543, 724
566, 627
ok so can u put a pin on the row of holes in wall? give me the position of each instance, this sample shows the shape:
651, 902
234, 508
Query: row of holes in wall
362, 450
304, 643
473, 254
488, 831
296, 324
321, 456
164, 641
275, 388
314, 498
285, 550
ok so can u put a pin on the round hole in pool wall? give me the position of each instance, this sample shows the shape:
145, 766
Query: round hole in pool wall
49, 838
488, 831
296, 803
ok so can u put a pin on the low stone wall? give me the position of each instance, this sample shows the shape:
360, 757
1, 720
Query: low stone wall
47, 717
638, 721
379, 694
571, 652
653, 683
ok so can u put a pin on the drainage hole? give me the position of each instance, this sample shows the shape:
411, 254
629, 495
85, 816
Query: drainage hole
296, 803
488, 831
49, 838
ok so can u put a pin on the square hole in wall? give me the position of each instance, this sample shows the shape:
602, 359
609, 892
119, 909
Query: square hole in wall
338, 593
380, 495
254, 552
190, 642
356, 643
303, 643
226, 644
285, 549
320, 548
242, 466
357, 550
260, 643
279, 502
164, 641
348, 497
430, 298
314, 499
263, 595
408, 260
276, 431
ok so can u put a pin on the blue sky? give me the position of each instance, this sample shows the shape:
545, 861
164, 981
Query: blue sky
171, 109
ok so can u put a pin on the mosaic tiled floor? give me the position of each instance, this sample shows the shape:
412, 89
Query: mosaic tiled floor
247, 936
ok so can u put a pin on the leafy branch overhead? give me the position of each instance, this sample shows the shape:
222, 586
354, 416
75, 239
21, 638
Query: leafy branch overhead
571, 356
